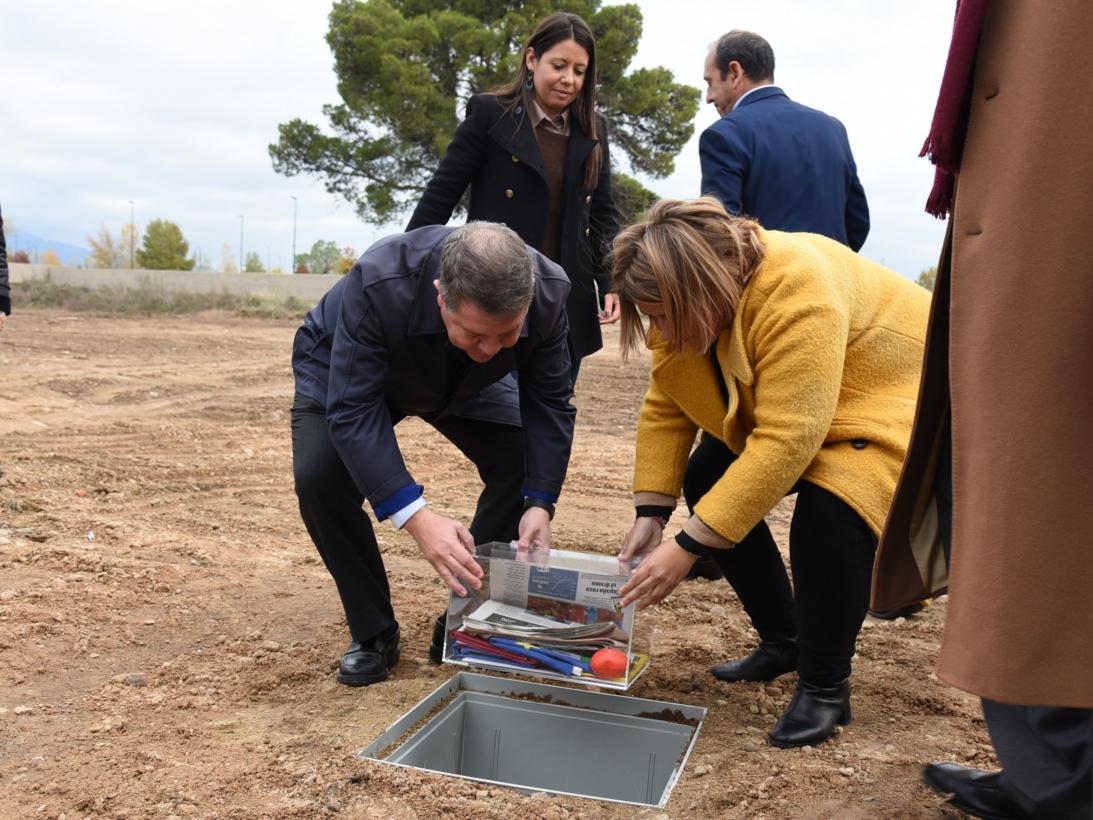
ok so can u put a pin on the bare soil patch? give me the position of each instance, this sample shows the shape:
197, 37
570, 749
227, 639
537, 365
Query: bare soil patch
168, 635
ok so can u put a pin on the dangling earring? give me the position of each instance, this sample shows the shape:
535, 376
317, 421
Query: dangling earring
530, 82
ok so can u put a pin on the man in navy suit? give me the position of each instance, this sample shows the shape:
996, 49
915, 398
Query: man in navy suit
430, 323
786, 165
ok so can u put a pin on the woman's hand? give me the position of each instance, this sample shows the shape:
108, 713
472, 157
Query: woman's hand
657, 575
642, 538
611, 309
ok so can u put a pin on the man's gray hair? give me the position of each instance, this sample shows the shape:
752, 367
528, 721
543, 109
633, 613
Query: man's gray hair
488, 265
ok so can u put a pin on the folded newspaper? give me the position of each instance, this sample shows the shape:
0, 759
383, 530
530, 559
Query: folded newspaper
496, 618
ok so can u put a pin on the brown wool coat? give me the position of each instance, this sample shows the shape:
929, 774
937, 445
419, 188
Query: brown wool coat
1013, 320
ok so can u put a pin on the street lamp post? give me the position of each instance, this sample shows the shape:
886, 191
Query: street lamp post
240, 243
293, 265
132, 236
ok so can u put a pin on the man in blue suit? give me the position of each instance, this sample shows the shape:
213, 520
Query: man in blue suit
787, 165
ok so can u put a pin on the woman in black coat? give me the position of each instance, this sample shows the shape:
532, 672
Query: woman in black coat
535, 156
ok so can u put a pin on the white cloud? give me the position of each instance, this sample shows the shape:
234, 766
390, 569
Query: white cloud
172, 104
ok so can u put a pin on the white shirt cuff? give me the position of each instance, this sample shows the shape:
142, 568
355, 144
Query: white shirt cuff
402, 516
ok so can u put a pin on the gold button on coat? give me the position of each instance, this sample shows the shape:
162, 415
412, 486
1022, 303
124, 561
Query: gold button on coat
588, 232
587, 199
509, 193
515, 158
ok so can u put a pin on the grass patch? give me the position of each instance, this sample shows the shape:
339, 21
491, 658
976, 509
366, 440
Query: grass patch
45, 293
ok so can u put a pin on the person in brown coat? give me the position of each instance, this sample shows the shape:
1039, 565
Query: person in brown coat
998, 465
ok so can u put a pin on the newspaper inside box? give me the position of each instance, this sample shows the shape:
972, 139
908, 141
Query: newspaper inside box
551, 614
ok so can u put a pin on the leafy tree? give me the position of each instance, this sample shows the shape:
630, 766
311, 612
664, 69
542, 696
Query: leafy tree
51, 258
164, 247
323, 258
106, 252
130, 236
254, 263
405, 69
227, 259
347, 260
632, 198
20, 256
927, 278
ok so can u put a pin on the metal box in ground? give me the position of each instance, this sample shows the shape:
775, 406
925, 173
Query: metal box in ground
539, 737
547, 613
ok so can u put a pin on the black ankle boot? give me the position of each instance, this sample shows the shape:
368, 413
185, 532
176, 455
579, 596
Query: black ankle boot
766, 662
812, 715
436, 645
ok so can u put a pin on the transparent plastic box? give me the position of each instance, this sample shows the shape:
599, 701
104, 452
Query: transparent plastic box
551, 614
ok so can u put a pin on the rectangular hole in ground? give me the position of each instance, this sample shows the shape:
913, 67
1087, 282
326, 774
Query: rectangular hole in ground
550, 747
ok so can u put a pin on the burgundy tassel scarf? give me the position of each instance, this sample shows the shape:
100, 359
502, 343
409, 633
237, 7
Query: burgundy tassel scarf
945, 142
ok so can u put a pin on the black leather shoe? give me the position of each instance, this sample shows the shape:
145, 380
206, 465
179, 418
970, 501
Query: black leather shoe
368, 661
812, 715
978, 793
766, 662
436, 645
704, 568
899, 612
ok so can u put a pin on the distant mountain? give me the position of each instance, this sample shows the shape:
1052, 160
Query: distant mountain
31, 243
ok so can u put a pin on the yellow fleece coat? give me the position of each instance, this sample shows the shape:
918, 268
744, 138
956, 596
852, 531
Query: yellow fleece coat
822, 367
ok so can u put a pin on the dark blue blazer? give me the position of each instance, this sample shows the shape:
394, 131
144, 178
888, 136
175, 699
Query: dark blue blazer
375, 350
788, 166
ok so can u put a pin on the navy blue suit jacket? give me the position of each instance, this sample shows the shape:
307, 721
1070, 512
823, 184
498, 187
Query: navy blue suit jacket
375, 350
788, 166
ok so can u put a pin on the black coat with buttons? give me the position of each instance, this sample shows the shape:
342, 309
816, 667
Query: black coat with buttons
496, 153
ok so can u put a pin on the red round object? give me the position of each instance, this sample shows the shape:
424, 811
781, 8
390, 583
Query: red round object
609, 663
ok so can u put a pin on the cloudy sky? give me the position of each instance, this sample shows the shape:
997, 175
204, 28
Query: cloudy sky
172, 105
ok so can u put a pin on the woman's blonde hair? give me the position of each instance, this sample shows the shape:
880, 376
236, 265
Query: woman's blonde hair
693, 258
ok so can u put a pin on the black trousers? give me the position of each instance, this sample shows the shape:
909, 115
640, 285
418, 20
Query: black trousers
831, 556
331, 506
1046, 751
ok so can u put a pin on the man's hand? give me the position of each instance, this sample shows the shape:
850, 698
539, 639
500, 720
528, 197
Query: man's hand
534, 529
643, 536
657, 575
612, 309
448, 546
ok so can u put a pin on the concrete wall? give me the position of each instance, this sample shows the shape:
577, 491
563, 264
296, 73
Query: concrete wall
306, 287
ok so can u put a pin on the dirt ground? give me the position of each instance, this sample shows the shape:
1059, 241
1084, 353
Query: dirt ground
168, 636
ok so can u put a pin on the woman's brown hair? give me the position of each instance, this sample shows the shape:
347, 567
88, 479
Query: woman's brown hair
558, 28
693, 258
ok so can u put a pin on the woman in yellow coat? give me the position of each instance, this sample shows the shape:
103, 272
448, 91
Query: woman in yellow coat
798, 362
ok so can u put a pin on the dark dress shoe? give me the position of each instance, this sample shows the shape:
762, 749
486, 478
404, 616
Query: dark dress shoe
367, 662
704, 568
899, 612
812, 715
766, 662
436, 645
978, 793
